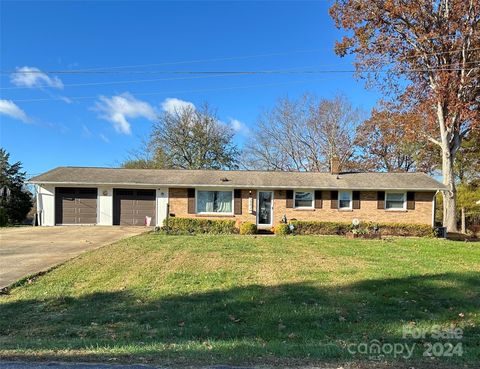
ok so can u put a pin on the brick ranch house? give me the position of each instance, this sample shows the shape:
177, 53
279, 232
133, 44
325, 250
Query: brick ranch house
109, 196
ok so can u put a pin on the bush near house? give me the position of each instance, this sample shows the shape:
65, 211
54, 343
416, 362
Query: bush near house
248, 228
200, 226
341, 228
281, 229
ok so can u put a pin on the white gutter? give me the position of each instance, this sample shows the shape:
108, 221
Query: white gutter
129, 184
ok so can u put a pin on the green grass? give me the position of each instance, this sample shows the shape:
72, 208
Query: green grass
244, 300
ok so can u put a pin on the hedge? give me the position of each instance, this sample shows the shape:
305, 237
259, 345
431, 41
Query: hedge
199, 226
248, 228
222, 226
341, 228
281, 229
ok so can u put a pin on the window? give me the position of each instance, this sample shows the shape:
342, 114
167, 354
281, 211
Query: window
303, 199
344, 200
395, 200
214, 202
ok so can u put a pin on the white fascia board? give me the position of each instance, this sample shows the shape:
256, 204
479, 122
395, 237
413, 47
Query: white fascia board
150, 185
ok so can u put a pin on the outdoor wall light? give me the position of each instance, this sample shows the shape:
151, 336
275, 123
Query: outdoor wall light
105, 192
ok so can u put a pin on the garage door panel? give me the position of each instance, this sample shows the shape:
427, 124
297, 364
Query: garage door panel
86, 212
69, 220
132, 206
87, 207
144, 206
76, 205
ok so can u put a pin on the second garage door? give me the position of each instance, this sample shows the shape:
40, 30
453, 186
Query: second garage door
130, 207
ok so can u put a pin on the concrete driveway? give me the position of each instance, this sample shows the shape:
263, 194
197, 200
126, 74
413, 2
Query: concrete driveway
28, 250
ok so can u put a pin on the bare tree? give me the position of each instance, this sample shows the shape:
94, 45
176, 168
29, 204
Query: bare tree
303, 135
190, 138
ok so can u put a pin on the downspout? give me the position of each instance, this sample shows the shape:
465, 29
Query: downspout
39, 205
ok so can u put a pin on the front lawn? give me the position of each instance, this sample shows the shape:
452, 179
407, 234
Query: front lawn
247, 300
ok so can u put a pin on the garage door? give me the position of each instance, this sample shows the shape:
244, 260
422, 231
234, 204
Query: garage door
130, 207
75, 205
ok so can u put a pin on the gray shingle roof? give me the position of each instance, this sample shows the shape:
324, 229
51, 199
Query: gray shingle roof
72, 176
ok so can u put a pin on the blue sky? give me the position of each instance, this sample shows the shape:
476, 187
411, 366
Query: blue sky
96, 117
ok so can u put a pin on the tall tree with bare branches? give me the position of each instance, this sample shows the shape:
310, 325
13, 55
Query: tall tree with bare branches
427, 53
303, 135
191, 138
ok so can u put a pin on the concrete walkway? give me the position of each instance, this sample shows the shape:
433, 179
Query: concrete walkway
28, 250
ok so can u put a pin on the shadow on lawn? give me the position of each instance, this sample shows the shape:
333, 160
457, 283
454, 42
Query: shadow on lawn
296, 321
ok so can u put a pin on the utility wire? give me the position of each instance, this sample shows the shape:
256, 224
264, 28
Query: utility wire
109, 70
150, 80
214, 74
91, 97
171, 92
198, 90
103, 69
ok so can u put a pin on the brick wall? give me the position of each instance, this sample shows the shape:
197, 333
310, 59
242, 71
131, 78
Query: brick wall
368, 209
178, 201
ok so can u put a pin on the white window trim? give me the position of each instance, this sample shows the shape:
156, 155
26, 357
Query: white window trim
351, 200
213, 213
304, 207
404, 208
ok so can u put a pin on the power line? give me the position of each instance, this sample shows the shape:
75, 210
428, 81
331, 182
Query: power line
155, 79
122, 82
214, 74
227, 88
104, 69
205, 60
113, 70
188, 91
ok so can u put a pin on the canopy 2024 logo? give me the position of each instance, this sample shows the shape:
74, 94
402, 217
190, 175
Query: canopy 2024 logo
440, 343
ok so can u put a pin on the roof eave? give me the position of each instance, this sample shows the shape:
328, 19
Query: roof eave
129, 184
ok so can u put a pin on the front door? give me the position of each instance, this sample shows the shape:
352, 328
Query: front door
264, 209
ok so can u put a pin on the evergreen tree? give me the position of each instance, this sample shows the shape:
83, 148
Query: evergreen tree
15, 200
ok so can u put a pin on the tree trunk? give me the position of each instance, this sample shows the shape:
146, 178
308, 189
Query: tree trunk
449, 196
464, 227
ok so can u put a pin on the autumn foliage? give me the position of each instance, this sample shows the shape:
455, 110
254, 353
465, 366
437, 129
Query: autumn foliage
425, 54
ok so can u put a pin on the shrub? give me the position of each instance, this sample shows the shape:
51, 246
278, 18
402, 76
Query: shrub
282, 229
405, 229
248, 228
325, 228
200, 226
341, 228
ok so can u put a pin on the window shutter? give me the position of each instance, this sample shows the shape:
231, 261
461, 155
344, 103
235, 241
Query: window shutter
191, 200
356, 199
318, 200
237, 202
410, 200
381, 200
334, 199
289, 199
